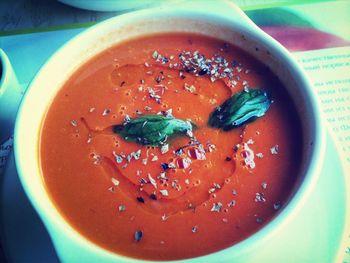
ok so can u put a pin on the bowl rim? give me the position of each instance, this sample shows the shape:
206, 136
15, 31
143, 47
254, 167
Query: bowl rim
286, 214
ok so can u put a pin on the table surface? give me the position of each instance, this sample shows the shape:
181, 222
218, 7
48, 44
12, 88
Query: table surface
28, 16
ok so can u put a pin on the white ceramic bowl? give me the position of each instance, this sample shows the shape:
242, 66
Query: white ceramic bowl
221, 20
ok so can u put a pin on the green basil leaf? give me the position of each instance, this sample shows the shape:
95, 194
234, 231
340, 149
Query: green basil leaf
153, 129
241, 108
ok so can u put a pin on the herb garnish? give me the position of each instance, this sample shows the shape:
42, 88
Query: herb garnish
153, 129
241, 108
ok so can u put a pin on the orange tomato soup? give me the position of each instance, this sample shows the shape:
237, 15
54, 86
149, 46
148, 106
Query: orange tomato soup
194, 194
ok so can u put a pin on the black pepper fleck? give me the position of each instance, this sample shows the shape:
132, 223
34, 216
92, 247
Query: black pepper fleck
203, 72
165, 166
153, 196
138, 235
140, 199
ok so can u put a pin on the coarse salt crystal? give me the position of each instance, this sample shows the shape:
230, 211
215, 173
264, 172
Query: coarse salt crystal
122, 208
74, 123
274, 149
115, 181
164, 192
216, 207
106, 112
164, 149
152, 181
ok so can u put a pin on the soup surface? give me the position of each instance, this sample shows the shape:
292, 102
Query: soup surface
186, 195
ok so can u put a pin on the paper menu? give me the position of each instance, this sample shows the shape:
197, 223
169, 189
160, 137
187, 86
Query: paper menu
329, 72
